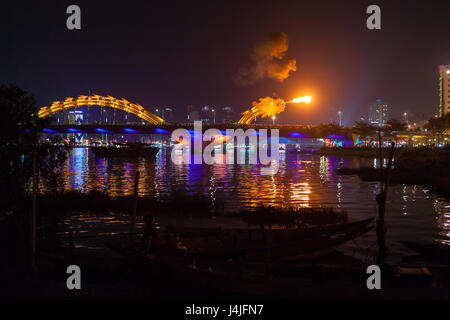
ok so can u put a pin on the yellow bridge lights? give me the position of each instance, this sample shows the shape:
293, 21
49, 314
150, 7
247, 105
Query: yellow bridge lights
104, 101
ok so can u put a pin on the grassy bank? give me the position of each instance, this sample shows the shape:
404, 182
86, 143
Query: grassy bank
96, 202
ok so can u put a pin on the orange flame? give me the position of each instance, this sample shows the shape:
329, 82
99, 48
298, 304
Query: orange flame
305, 99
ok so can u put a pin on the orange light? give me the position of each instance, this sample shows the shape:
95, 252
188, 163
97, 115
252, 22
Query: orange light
305, 99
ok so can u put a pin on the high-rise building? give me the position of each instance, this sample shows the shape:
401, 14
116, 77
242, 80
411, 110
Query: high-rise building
227, 115
189, 109
206, 114
444, 89
71, 117
157, 111
378, 113
194, 116
75, 117
192, 113
167, 114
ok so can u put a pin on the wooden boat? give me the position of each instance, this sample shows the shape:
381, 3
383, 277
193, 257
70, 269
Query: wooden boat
301, 231
263, 244
255, 271
256, 244
126, 150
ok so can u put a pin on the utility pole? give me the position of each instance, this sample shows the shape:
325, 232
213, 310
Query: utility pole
33, 217
381, 200
134, 210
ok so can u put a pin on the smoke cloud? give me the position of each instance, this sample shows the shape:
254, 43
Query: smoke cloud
269, 61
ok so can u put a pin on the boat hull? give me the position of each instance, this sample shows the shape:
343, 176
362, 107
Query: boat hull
258, 244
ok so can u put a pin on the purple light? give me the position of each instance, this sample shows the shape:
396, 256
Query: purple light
195, 133
102, 130
130, 130
298, 135
334, 136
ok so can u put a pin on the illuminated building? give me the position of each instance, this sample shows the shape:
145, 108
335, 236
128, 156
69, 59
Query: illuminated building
206, 114
378, 113
192, 113
165, 113
444, 89
75, 117
189, 109
227, 115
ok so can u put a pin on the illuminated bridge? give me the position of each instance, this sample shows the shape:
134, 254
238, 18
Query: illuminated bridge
156, 125
103, 101
291, 131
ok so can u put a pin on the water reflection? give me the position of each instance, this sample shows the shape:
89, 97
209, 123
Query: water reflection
442, 208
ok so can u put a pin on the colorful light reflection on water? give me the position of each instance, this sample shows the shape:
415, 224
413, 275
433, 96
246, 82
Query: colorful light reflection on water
303, 180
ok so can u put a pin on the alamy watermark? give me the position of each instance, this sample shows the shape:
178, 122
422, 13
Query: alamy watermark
192, 142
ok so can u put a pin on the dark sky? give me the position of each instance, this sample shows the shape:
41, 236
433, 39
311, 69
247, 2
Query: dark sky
174, 53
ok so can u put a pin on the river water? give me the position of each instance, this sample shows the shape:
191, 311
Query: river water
413, 212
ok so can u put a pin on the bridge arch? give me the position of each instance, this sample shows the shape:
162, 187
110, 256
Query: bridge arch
104, 101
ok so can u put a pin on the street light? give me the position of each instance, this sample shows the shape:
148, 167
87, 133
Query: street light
214, 115
340, 118
406, 117
273, 120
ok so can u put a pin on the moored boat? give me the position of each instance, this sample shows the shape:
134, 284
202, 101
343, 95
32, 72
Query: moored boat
126, 150
244, 268
256, 243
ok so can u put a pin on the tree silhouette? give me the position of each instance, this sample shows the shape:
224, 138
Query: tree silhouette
438, 124
364, 129
19, 139
395, 124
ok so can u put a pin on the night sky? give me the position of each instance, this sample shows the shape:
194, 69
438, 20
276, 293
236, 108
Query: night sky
175, 53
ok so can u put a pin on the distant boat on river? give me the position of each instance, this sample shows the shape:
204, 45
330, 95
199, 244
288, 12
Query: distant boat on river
126, 150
